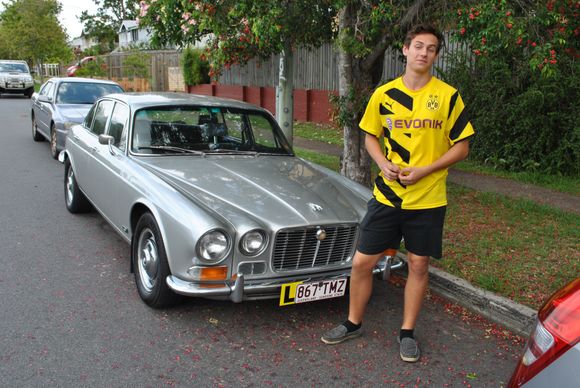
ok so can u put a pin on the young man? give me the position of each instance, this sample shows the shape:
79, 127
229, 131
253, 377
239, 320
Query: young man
425, 130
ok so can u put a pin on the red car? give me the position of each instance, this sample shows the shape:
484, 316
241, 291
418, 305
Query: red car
71, 70
552, 356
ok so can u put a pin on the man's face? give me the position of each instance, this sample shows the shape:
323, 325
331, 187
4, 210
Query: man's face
421, 53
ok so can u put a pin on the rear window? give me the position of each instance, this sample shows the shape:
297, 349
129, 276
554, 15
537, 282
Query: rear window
84, 93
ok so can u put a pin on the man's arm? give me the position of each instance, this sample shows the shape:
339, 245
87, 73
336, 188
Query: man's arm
390, 170
456, 153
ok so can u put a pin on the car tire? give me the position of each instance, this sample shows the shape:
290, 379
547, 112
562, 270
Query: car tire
150, 264
35, 135
75, 199
53, 142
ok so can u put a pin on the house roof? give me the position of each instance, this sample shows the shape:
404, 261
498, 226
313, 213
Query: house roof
128, 25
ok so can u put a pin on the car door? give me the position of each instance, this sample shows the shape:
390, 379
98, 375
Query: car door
108, 170
87, 144
43, 109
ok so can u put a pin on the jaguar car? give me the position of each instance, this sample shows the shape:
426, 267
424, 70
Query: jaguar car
62, 103
212, 200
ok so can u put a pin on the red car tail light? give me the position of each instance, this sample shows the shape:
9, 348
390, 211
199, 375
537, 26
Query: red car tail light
557, 330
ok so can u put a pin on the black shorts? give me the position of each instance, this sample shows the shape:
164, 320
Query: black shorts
383, 227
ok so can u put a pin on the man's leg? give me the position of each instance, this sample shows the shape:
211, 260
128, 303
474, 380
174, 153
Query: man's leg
417, 282
361, 285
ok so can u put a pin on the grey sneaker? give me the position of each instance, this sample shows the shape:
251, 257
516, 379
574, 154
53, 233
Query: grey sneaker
339, 334
409, 350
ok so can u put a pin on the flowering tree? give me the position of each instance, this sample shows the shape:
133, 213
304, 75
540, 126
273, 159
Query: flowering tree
537, 33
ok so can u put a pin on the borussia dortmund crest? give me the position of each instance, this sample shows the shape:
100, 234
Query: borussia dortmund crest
433, 102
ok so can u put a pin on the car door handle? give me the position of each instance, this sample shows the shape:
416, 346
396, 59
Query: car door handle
94, 149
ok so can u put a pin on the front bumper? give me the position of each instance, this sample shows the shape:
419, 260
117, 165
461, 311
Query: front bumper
240, 289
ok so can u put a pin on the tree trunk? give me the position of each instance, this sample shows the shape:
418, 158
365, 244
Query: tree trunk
354, 84
284, 93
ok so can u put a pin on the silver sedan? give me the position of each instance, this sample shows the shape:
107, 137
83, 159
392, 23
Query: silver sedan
62, 103
212, 200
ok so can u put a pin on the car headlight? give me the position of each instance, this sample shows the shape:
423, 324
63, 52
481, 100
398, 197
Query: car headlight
253, 242
213, 246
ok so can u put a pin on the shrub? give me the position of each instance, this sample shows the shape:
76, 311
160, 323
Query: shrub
195, 67
91, 69
136, 65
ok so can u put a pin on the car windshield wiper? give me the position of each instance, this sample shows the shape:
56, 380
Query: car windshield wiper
171, 148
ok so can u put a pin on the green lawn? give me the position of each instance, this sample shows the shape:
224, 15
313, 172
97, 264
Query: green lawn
513, 247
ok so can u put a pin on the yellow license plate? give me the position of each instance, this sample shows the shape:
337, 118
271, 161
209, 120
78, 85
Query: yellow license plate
300, 292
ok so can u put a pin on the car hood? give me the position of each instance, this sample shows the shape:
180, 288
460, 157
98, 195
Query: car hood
277, 190
73, 112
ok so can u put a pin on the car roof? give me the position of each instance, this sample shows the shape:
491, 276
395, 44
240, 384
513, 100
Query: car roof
82, 80
151, 99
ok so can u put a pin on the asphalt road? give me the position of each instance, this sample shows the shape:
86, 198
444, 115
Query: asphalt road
70, 315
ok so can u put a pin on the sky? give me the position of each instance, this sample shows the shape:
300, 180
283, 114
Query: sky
71, 10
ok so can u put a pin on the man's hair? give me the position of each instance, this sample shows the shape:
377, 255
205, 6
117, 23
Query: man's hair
424, 29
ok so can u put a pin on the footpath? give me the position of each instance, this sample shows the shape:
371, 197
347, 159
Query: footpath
514, 316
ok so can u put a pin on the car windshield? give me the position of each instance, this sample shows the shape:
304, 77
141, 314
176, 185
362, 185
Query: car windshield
161, 130
13, 68
84, 92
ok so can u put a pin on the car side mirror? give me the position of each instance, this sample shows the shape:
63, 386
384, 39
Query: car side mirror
106, 139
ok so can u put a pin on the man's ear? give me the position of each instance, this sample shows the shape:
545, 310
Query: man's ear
405, 50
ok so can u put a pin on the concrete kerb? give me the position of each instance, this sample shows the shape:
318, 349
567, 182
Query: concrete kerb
515, 317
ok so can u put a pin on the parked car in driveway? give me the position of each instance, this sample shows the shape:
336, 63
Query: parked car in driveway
62, 103
212, 199
71, 71
15, 78
552, 355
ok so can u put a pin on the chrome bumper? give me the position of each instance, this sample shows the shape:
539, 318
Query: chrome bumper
241, 289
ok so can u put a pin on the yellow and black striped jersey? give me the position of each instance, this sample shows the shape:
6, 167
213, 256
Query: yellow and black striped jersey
418, 127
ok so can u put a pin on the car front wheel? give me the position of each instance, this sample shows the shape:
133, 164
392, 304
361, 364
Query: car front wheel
53, 147
75, 200
35, 135
150, 264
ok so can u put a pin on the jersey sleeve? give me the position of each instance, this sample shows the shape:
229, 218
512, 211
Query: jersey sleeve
371, 120
458, 125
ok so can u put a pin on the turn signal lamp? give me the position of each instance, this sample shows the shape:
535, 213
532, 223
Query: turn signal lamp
209, 274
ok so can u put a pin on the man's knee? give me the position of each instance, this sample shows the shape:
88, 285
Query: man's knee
418, 265
364, 263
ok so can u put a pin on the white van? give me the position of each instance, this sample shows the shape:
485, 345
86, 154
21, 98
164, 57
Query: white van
15, 78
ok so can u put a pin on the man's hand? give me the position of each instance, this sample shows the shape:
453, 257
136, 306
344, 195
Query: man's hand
390, 170
412, 175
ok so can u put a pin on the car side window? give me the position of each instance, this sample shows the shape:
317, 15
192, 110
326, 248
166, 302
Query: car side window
102, 113
46, 89
89, 118
118, 125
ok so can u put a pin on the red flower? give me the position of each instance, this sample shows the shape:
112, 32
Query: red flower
471, 16
519, 41
509, 25
534, 44
462, 31
477, 52
553, 61
483, 41
508, 13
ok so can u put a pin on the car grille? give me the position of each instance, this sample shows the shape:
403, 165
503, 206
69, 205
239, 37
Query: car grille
299, 248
